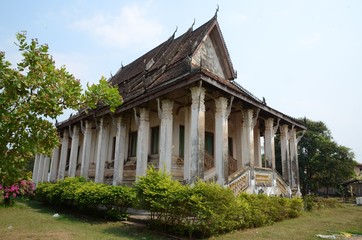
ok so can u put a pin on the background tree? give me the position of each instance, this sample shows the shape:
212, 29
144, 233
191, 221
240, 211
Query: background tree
322, 162
33, 93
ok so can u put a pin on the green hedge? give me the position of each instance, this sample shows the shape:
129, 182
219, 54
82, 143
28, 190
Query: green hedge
198, 210
86, 195
206, 209
312, 202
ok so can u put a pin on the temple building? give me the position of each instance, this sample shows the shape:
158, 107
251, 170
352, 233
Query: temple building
183, 113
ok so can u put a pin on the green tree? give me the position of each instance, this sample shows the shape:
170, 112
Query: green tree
322, 162
33, 93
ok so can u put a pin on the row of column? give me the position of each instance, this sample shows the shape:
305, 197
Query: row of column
249, 154
41, 168
289, 155
248, 139
58, 172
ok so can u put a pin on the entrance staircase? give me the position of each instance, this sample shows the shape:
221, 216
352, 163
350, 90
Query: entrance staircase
258, 180
250, 180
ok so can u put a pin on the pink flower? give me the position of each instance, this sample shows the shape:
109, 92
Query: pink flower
14, 195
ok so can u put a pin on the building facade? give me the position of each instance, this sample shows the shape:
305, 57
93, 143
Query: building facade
183, 113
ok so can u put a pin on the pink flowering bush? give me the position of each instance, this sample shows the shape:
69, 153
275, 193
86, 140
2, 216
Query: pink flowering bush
20, 188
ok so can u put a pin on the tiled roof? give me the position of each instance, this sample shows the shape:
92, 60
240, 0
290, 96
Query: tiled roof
165, 62
170, 62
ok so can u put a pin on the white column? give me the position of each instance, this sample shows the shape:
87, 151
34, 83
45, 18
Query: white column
284, 148
101, 152
54, 165
269, 143
221, 140
120, 152
142, 142
187, 161
74, 152
257, 147
41, 168
197, 133
63, 154
294, 159
87, 141
36, 168
247, 138
46, 169
238, 139
165, 144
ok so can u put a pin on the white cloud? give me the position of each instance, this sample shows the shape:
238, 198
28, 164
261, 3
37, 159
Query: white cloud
131, 26
75, 64
310, 40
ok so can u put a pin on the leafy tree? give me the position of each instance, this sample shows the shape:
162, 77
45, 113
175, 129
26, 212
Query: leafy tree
322, 162
33, 93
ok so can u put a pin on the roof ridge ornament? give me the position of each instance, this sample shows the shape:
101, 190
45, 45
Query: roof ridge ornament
192, 26
173, 35
217, 9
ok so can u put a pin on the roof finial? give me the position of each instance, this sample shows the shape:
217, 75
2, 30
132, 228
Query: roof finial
217, 9
173, 35
193, 24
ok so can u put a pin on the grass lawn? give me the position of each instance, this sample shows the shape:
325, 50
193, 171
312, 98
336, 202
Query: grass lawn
326, 221
31, 220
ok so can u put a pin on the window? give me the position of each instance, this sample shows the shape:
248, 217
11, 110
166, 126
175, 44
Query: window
230, 146
78, 154
68, 157
132, 146
113, 148
155, 139
182, 141
209, 143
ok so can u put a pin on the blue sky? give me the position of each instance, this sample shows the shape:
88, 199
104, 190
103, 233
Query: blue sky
304, 57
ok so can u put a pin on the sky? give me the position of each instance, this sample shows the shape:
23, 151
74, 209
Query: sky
303, 56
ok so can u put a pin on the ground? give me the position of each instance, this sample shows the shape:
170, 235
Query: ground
31, 220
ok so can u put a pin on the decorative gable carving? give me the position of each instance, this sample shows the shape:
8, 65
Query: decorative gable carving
207, 57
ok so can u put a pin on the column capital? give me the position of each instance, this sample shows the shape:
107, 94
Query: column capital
65, 133
248, 116
269, 123
167, 107
75, 130
119, 120
144, 114
284, 129
198, 96
197, 91
221, 104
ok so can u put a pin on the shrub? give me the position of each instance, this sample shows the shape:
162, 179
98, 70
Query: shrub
86, 195
23, 187
114, 199
313, 202
206, 209
308, 202
214, 209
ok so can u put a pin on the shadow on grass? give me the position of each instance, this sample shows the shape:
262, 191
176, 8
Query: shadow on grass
66, 213
135, 232
71, 215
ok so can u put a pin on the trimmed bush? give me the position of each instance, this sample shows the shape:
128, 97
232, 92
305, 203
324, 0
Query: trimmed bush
200, 210
86, 195
207, 209
313, 202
